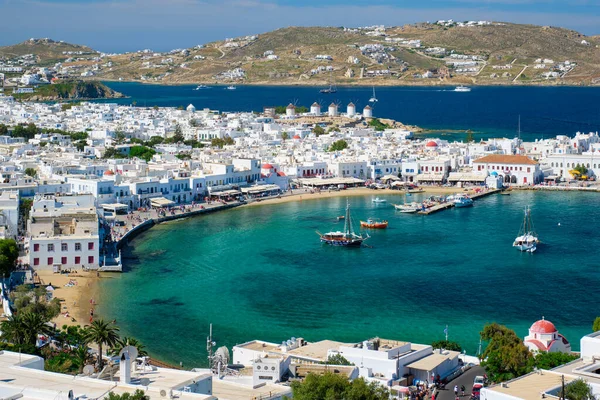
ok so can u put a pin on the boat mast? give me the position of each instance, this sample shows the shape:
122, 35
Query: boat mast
347, 221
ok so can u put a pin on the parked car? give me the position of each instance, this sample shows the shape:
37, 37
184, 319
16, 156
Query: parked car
479, 380
476, 392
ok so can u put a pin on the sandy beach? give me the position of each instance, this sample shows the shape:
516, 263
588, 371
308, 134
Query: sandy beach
75, 292
301, 195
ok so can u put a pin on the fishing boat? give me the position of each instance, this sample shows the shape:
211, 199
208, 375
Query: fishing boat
462, 88
408, 208
373, 99
341, 217
527, 239
346, 238
373, 223
378, 200
462, 200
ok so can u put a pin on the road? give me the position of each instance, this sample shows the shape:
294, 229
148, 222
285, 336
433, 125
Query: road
465, 379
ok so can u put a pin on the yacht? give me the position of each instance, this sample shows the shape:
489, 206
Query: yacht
527, 239
462, 88
374, 98
462, 200
378, 200
408, 208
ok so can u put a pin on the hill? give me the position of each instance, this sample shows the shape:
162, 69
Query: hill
444, 53
45, 50
70, 91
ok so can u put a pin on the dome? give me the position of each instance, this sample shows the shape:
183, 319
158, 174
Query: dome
543, 326
297, 137
109, 172
431, 144
494, 173
267, 166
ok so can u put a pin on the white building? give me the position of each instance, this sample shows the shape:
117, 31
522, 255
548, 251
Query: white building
63, 231
515, 169
9, 214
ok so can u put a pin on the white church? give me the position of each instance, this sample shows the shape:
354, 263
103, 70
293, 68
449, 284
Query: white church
544, 337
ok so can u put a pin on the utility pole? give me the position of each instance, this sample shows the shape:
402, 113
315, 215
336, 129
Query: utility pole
562, 377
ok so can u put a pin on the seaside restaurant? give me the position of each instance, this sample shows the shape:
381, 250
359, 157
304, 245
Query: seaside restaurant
159, 202
115, 208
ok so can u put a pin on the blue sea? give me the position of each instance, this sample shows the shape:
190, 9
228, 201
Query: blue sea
491, 111
261, 273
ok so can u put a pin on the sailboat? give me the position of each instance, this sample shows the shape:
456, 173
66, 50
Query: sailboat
527, 239
347, 238
374, 98
331, 88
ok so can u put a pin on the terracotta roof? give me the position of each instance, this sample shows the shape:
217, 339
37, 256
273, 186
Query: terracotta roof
537, 344
504, 159
267, 166
543, 326
431, 144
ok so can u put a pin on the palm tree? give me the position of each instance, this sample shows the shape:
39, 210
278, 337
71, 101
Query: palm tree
33, 325
127, 341
82, 355
102, 333
12, 330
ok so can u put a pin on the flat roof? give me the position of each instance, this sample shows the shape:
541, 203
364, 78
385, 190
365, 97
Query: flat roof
257, 345
317, 350
530, 386
224, 390
432, 361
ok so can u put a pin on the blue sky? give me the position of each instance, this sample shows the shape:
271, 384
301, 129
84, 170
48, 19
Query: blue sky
125, 25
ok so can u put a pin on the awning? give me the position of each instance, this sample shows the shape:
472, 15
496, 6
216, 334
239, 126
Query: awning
225, 193
161, 202
389, 178
260, 189
430, 177
466, 177
115, 206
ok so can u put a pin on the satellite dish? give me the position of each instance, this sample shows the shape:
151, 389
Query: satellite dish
130, 350
222, 354
88, 370
146, 382
163, 393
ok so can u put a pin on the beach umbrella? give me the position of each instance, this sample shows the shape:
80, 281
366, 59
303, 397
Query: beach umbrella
49, 288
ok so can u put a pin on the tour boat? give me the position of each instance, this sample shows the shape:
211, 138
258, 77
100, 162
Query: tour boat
346, 238
462, 88
527, 239
373, 223
462, 200
374, 98
378, 200
408, 208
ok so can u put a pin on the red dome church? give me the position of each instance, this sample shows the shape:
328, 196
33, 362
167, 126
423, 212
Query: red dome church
544, 337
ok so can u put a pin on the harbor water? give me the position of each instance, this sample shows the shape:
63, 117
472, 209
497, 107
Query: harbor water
488, 111
261, 273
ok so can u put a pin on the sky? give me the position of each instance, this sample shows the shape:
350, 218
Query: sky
160, 25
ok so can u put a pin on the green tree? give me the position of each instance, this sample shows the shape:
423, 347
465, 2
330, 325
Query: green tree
193, 123
34, 324
318, 130
178, 136
447, 345
13, 330
505, 356
129, 341
228, 141
154, 140
596, 325
120, 137
9, 252
30, 172
378, 125
470, 137
137, 395
180, 108
78, 135
111, 152
102, 333
142, 152
3, 129
581, 169
184, 156
338, 145
80, 146
194, 143
577, 390
217, 142
551, 360
335, 386
284, 136
337, 359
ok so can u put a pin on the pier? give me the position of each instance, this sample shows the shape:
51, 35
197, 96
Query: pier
445, 206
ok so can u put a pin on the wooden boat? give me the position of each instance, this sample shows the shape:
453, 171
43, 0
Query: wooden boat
345, 238
372, 223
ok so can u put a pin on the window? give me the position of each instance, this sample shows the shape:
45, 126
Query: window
50, 260
36, 247
528, 169
63, 260
64, 247
50, 247
77, 260
91, 246
90, 259
77, 246
36, 261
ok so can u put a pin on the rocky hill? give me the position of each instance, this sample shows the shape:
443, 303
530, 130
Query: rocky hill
46, 50
420, 54
71, 91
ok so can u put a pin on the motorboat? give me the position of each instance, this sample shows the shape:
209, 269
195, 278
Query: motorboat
200, 87
462, 88
462, 200
373, 223
373, 99
378, 200
230, 87
527, 239
408, 208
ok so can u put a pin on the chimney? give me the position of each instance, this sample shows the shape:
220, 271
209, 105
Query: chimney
125, 368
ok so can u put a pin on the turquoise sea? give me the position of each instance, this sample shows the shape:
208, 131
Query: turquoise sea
489, 111
261, 273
